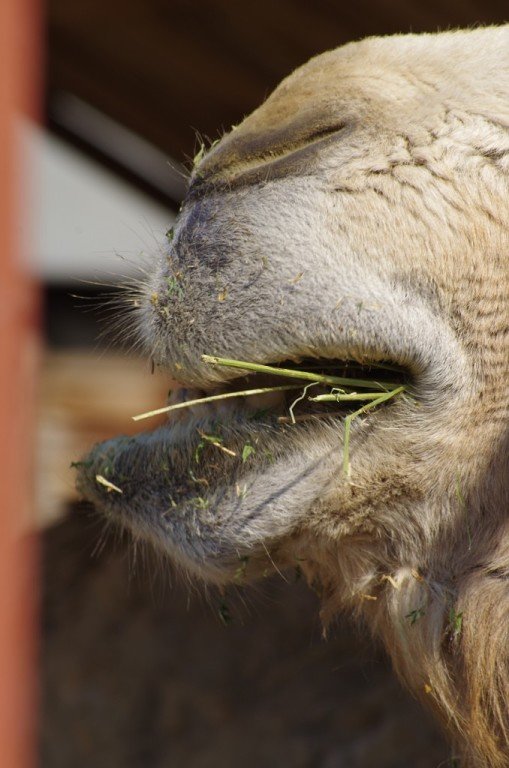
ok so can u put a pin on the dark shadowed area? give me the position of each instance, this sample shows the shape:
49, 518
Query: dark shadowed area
138, 673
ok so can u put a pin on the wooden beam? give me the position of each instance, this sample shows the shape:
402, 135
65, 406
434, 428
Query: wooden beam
18, 332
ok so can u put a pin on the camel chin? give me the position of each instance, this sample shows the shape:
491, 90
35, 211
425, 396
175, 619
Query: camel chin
359, 215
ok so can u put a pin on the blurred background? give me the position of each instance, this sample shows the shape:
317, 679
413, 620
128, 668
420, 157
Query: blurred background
138, 669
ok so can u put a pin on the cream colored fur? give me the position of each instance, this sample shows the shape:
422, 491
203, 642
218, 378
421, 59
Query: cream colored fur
380, 173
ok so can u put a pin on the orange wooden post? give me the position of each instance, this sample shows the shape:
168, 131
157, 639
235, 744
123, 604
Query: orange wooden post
18, 351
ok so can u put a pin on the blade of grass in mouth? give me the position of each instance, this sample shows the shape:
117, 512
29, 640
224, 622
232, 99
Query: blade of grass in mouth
213, 398
332, 381
348, 423
386, 391
340, 397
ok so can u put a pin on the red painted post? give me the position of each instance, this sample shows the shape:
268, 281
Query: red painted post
19, 59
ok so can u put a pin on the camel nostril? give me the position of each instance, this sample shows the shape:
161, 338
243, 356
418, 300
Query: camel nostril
241, 157
324, 132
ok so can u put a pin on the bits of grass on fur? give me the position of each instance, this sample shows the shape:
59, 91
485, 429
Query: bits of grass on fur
247, 451
174, 287
79, 464
415, 615
216, 441
110, 487
200, 502
225, 613
455, 623
240, 573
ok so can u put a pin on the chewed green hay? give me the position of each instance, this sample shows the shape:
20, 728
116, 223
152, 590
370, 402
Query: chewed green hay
343, 390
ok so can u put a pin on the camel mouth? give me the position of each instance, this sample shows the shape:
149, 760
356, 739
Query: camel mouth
202, 450
288, 400
282, 414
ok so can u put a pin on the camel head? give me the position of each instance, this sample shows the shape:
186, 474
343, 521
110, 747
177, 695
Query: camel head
360, 216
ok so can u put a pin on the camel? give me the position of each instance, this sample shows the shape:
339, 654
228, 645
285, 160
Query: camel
360, 214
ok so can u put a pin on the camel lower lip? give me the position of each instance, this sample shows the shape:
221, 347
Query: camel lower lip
179, 489
178, 455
